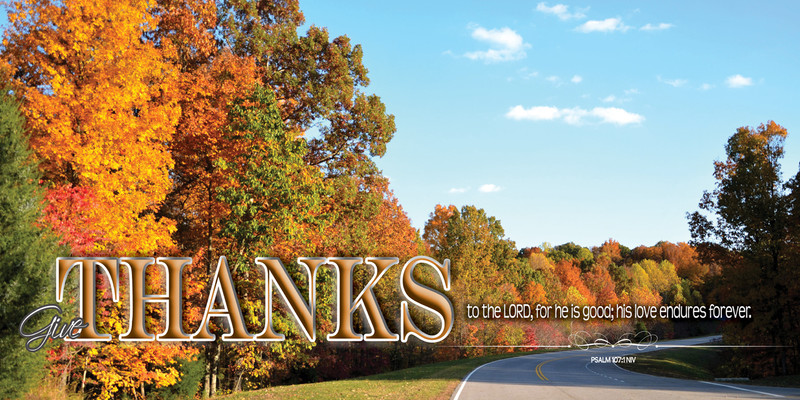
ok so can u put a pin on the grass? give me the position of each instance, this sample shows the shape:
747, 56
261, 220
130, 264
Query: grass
684, 363
432, 381
777, 381
697, 364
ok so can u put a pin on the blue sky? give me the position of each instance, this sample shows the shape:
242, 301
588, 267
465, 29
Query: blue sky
571, 121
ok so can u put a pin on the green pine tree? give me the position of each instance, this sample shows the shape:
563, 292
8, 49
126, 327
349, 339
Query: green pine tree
27, 253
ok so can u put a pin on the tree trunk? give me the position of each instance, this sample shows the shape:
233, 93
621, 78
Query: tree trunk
207, 380
65, 374
238, 387
209, 388
213, 368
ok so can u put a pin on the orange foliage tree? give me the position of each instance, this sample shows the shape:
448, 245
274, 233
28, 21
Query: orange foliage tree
101, 101
101, 107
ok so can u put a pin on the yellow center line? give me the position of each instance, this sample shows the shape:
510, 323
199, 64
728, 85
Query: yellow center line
539, 372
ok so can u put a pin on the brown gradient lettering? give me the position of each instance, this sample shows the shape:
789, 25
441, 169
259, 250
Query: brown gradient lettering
173, 298
222, 291
347, 305
222, 284
88, 289
426, 298
303, 312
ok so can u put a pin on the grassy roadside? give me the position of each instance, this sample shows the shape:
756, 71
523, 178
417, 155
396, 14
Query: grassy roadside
697, 364
432, 381
683, 363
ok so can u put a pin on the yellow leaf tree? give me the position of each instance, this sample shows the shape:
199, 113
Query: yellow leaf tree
101, 105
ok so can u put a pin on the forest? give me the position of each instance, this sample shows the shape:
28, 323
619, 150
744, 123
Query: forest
180, 128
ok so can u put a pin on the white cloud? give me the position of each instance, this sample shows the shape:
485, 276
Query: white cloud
606, 25
489, 188
617, 116
673, 82
706, 86
505, 45
632, 91
660, 27
534, 113
737, 81
458, 190
553, 79
609, 98
575, 115
561, 11
576, 79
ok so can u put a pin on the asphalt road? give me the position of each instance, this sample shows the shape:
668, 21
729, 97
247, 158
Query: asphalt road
573, 375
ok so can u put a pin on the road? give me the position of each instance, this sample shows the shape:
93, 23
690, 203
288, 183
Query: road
573, 375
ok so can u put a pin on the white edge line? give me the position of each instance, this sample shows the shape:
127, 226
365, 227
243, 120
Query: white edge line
638, 373
464, 382
563, 346
710, 383
740, 388
700, 346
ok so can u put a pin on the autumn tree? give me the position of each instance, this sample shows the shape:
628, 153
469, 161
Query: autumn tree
483, 261
570, 275
744, 225
316, 79
475, 244
224, 48
100, 99
270, 189
200, 141
271, 193
600, 282
129, 107
435, 232
682, 255
687, 264
569, 251
100, 104
392, 231
319, 83
612, 249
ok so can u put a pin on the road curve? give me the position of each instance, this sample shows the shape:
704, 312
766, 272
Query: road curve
573, 375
